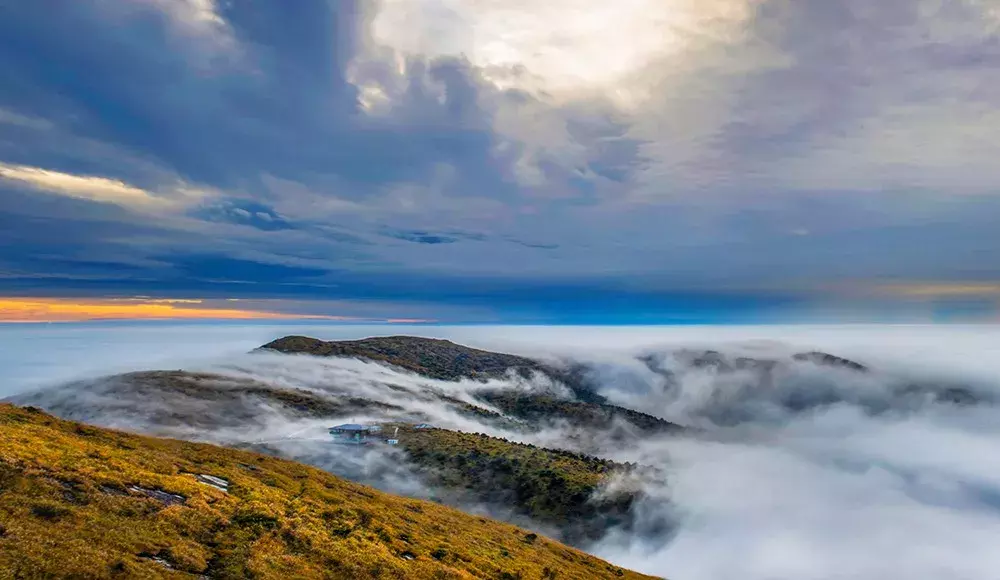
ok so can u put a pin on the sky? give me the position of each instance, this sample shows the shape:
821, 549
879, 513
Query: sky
570, 161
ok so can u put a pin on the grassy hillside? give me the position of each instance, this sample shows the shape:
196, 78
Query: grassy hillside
79, 501
550, 486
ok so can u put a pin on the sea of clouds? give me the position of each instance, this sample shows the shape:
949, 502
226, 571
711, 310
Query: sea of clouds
811, 471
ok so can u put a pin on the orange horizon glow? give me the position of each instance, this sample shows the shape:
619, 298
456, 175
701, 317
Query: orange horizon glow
944, 289
21, 310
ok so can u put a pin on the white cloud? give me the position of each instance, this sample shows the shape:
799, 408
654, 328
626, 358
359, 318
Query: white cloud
567, 46
100, 189
930, 147
9, 117
730, 95
199, 29
196, 16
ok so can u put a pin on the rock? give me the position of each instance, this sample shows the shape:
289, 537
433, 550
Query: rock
165, 497
824, 359
213, 481
111, 490
157, 559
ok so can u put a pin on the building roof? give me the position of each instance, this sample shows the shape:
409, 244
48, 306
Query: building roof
349, 427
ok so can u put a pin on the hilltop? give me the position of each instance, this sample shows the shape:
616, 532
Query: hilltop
82, 501
438, 359
446, 360
429, 357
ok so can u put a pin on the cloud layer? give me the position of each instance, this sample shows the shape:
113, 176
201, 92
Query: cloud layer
770, 486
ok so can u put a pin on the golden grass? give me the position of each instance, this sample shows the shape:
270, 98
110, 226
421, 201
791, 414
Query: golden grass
72, 505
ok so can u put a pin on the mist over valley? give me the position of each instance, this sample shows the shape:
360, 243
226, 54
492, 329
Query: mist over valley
659, 453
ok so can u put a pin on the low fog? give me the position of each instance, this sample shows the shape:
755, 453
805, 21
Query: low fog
794, 467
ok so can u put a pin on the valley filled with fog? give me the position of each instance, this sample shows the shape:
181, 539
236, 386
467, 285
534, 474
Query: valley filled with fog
807, 452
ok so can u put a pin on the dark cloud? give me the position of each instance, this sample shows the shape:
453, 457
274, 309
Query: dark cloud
275, 101
295, 156
423, 238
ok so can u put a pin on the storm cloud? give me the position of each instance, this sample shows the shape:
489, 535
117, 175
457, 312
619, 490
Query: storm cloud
761, 151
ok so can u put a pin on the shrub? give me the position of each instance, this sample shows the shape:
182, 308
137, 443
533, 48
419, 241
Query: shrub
49, 510
255, 520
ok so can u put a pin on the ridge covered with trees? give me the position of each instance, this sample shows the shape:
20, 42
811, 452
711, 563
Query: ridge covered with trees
559, 488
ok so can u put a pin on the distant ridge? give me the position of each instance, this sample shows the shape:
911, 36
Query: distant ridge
446, 360
431, 357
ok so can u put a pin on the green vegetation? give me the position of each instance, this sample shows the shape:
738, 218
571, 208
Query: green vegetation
433, 358
539, 409
551, 486
83, 502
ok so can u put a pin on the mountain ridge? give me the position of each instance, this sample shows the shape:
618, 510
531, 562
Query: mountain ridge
435, 358
445, 360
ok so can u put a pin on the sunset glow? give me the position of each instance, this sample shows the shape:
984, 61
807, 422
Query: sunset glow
72, 310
